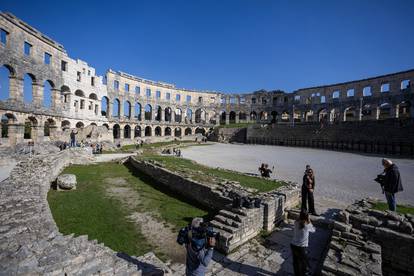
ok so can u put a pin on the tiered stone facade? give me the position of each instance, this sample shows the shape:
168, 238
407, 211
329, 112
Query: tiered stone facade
67, 94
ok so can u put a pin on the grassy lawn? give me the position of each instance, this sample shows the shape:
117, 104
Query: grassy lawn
88, 209
207, 175
402, 209
131, 148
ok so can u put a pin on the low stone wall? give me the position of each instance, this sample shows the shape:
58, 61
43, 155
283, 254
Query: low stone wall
236, 225
229, 135
370, 242
30, 242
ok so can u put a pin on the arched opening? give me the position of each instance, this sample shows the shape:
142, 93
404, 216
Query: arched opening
148, 131
178, 115
232, 117
158, 111
80, 93
367, 112
189, 116
273, 114
6, 119
285, 116
5, 73
309, 116
333, 115
148, 113
65, 125
29, 124
105, 106
350, 114
127, 109
65, 93
384, 111
242, 116
404, 109
167, 114
253, 116
49, 124
157, 131
116, 131
167, 131
106, 126
187, 131
177, 132
137, 131
263, 116
47, 94
137, 111
200, 130
79, 125
28, 83
93, 96
200, 116
127, 132
323, 115
116, 111
222, 118
297, 115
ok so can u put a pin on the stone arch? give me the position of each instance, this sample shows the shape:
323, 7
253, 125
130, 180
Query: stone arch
106, 126
285, 116
178, 114
188, 131
6, 72
116, 108
49, 127
167, 114
189, 116
127, 132
222, 117
232, 117
29, 81
65, 92
80, 93
309, 116
200, 116
200, 130
137, 111
242, 116
158, 111
274, 114
105, 106
116, 131
157, 131
367, 113
148, 131
322, 115
148, 114
79, 125
404, 109
47, 93
6, 119
384, 111
29, 128
177, 132
93, 96
137, 131
253, 116
350, 114
263, 116
127, 109
167, 131
65, 125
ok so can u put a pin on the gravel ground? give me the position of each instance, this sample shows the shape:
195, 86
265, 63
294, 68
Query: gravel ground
341, 177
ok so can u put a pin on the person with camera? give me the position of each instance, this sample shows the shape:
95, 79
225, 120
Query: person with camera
299, 244
308, 187
199, 240
390, 182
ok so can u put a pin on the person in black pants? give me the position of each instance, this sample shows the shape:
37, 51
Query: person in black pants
308, 187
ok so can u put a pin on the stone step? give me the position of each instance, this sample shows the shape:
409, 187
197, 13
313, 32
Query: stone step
231, 215
224, 227
227, 221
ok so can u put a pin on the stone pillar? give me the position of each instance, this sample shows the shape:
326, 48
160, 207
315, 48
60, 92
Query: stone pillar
397, 111
193, 117
121, 132
237, 118
227, 118
162, 115
110, 108
15, 133
360, 114
121, 108
16, 89
37, 133
56, 99
53, 131
37, 90
377, 113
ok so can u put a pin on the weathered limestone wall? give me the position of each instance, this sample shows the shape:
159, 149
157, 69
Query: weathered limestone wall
229, 135
30, 242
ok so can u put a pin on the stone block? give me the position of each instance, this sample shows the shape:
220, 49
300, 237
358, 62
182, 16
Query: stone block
66, 182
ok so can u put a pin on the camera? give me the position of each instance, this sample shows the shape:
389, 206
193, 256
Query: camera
198, 236
380, 179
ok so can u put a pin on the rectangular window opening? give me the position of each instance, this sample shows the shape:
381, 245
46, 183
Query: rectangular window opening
27, 48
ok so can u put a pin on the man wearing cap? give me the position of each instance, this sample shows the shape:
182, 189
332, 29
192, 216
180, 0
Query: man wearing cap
392, 183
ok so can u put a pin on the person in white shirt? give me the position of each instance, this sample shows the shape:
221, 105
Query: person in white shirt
299, 244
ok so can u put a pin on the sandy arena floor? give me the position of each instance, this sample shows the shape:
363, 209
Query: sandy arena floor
341, 177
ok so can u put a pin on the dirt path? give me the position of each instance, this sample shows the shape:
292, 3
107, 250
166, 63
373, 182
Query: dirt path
157, 232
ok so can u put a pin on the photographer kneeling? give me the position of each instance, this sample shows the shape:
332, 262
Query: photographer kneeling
199, 240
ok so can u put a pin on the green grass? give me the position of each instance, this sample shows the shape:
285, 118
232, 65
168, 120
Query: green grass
238, 125
402, 209
131, 148
88, 210
207, 175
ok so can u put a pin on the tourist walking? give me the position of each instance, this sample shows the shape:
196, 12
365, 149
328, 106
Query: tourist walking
73, 138
391, 183
308, 187
299, 244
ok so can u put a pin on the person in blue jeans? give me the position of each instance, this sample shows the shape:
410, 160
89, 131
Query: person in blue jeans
73, 138
392, 183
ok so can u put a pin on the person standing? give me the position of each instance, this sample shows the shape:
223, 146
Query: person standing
299, 244
73, 138
308, 187
392, 183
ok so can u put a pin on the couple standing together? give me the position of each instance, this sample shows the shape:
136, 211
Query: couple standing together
308, 188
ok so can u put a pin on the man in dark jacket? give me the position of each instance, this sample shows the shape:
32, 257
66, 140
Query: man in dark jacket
392, 183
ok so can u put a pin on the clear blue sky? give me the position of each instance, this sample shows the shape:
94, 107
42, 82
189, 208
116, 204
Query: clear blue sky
231, 46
